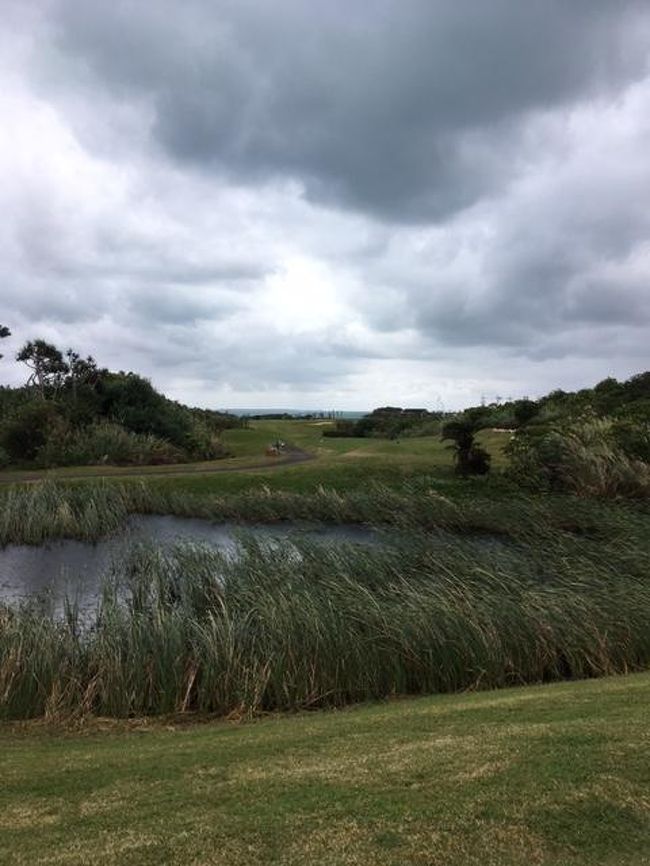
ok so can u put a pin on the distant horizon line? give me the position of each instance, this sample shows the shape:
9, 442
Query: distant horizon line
275, 410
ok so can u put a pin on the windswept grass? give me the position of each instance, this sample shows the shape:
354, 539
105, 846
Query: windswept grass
304, 626
593, 458
32, 514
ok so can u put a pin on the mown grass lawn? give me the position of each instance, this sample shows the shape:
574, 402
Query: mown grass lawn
544, 775
338, 463
342, 464
309, 436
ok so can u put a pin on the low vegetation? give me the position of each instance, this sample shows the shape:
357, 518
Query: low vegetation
88, 511
622, 401
388, 422
526, 576
595, 442
597, 457
305, 626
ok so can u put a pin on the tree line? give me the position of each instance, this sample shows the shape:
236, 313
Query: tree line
71, 411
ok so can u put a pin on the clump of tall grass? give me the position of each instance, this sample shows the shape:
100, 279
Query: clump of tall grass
32, 514
594, 464
302, 626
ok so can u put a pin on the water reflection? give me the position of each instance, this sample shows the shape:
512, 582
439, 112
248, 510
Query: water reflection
75, 568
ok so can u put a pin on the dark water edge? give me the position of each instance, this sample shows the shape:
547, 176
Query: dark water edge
74, 569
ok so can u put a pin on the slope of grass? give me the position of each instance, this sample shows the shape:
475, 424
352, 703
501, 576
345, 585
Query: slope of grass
549, 776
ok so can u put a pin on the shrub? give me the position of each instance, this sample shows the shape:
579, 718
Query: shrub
590, 458
633, 438
105, 443
204, 444
28, 429
342, 430
426, 428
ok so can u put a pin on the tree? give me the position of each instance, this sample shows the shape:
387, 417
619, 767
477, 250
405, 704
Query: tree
47, 365
471, 459
524, 411
4, 332
80, 371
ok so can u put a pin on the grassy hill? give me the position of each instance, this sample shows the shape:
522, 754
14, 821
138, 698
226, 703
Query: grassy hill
554, 775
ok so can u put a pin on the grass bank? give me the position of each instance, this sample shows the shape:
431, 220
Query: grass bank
552, 776
32, 514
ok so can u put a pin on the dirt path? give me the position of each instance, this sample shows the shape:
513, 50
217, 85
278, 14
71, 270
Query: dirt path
293, 456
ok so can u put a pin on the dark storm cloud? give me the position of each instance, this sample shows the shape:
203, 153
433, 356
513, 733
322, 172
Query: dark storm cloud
289, 197
410, 110
165, 304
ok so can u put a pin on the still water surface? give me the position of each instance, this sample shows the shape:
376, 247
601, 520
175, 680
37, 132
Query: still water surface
75, 568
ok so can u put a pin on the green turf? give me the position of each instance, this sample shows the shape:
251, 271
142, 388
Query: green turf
342, 464
339, 463
543, 775
309, 436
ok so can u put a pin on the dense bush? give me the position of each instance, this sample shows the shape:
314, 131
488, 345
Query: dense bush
72, 412
632, 437
592, 457
105, 443
387, 422
609, 398
28, 428
431, 427
41, 434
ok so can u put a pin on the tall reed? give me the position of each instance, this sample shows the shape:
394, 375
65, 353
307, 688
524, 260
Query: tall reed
299, 626
32, 514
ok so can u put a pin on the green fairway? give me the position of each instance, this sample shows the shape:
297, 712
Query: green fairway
341, 463
309, 436
544, 775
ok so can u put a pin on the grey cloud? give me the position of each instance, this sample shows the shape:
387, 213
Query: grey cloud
232, 358
467, 181
406, 110
610, 302
167, 305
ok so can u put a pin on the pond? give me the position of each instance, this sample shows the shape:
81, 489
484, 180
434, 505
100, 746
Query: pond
75, 568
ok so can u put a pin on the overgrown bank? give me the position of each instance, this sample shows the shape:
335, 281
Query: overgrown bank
303, 627
71, 412
32, 514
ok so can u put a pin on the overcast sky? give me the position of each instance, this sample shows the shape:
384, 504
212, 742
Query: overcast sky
339, 204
